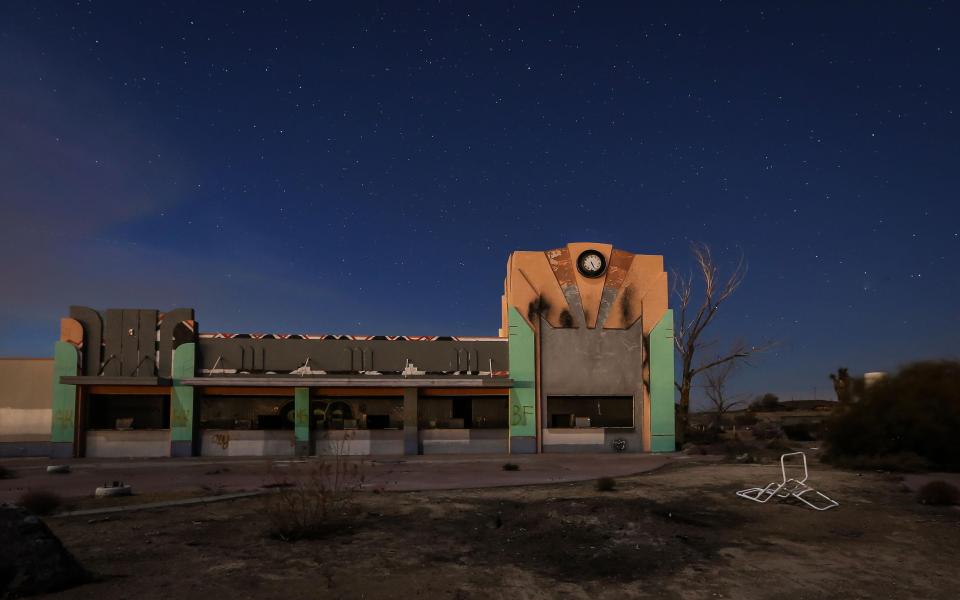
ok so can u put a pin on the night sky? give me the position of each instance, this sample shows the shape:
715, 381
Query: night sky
367, 168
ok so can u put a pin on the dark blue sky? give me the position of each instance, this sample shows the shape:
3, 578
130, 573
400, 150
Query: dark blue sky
367, 168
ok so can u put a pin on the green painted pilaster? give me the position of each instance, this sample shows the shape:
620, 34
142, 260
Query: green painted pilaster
523, 395
301, 422
182, 401
64, 407
662, 425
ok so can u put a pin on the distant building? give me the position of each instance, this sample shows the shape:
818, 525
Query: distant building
583, 363
872, 378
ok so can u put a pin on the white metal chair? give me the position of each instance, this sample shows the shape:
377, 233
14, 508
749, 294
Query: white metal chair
791, 487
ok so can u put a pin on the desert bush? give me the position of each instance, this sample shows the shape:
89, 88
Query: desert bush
802, 432
318, 503
766, 430
511, 467
939, 493
915, 412
767, 402
745, 420
779, 445
40, 502
6, 473
735, 447
707, 435
606, 484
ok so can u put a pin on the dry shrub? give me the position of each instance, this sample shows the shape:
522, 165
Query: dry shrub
511, 467
736, 446
606, 484
322, 501
40, 502
779, 445
915, 411
802, 432
939, 493
767, 430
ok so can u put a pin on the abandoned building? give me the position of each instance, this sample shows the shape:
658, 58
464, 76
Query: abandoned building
583, 362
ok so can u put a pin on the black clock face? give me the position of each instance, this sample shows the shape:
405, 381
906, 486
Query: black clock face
591, 263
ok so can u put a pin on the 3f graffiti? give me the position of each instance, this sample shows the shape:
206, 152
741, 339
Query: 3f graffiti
518, 415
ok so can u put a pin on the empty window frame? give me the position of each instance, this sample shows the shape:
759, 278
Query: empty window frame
370, 412
122, 411
464, 412
246, 412
589, 411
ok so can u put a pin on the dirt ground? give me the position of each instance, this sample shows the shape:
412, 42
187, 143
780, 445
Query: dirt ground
678, 532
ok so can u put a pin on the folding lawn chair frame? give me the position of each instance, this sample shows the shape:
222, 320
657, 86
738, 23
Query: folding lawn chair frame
791, 488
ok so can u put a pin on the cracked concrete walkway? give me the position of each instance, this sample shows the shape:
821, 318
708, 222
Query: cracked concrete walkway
387, 473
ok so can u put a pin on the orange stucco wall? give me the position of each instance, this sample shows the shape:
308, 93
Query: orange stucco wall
637, 283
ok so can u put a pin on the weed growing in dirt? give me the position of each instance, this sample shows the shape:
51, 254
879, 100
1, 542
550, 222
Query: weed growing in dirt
318, 502
606, 484
40, 502
511, 467
939, 493
6, 473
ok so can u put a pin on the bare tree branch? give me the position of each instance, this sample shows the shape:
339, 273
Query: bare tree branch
738, 351
716, 389
693, 319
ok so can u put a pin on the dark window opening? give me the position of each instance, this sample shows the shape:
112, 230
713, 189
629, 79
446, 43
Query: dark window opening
374, 412
128, 412
590, 411
246, 412
464, 412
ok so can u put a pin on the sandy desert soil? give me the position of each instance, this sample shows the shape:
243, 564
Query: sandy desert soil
678, 532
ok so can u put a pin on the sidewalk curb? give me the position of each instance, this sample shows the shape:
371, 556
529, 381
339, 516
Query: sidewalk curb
164, 504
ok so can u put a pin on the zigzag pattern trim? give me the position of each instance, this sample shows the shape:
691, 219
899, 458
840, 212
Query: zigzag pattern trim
355, 338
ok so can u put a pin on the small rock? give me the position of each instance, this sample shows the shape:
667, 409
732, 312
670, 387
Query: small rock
109, 491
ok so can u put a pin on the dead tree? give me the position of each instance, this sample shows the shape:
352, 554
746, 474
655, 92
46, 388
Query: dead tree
716, 390
842, 385
693, 319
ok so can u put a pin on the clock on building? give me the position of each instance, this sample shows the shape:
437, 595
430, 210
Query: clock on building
591, 263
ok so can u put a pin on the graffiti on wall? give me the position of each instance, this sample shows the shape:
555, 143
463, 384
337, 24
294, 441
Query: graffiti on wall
180, 417
222, 440
521, 415
63, 417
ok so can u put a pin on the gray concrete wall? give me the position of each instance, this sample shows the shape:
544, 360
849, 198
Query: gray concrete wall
591, 362
590, 440
464, 441
26, 396
342, 356
246, 442
106, 443
359, 442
